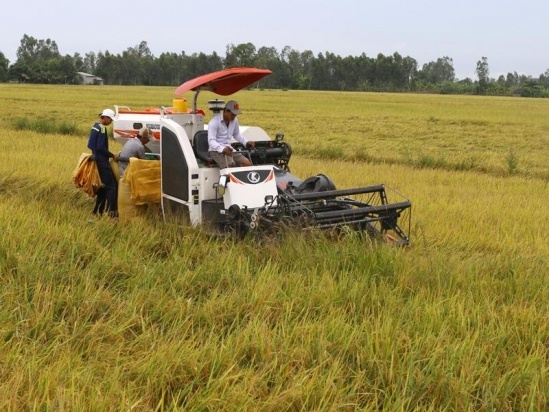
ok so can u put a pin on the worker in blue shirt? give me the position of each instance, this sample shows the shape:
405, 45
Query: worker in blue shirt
98, 143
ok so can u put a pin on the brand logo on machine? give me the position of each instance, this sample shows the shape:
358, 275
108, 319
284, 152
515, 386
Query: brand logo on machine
253, 177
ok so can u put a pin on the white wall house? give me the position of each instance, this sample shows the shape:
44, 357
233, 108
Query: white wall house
90, 78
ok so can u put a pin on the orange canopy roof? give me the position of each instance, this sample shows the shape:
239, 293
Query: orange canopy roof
224, 82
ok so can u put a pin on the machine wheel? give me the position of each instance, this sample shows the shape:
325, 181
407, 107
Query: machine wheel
234, 212
237, 222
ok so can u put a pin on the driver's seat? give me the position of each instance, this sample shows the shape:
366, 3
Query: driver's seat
200, 145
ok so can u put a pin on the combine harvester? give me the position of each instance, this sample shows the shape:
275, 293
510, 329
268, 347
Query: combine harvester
262, 197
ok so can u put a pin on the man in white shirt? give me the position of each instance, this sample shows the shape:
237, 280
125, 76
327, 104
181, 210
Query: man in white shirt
221, 129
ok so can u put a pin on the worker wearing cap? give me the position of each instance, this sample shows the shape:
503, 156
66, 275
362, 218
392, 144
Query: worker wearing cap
134, 148
221, 129
98, 143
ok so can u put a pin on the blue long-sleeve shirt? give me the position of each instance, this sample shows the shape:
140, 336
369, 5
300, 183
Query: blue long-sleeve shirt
98, 142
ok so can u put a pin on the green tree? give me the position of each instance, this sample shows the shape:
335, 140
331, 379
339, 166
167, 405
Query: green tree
66, 70
242, 55
282, 69
306, 59
438, 72
90, 63
109, 67
295, 69
383, 72
408, 72
319, 73
532, 88
39, 61
205, 63
169, 69
483, 74
131, 72
33, 50
4, 66
268, 58
544, 79
511, 80
78, 62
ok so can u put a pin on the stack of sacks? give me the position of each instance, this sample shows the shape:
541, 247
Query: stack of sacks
86, 176
139, 186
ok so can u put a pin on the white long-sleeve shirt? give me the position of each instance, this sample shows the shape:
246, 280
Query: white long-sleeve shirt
219, 134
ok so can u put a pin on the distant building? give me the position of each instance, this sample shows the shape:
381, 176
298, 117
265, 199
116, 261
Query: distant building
90, 78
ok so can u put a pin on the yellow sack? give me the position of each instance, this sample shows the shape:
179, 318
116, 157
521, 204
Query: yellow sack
115, 169
127, 209
86, 176
143, 176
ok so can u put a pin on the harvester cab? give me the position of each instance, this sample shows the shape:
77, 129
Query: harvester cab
261, 197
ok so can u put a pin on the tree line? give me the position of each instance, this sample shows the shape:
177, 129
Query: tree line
39, 61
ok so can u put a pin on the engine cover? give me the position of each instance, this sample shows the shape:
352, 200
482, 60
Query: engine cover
247, 187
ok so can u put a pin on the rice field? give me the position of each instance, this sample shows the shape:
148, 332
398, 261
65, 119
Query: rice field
152, 316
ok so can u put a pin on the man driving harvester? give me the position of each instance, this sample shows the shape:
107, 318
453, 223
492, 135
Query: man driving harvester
221, 129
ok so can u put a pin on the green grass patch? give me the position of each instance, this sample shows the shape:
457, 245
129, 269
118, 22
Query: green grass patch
46, 126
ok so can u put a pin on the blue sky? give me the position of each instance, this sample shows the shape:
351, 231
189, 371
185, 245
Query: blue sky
513, 35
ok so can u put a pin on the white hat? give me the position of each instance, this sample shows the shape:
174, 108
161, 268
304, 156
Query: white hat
145, 132
107, 113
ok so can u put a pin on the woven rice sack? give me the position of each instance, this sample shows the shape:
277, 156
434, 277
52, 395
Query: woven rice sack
143, 176
127, 209
115, 169
86, 176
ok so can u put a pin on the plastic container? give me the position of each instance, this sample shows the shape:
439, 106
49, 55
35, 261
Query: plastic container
180, 105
